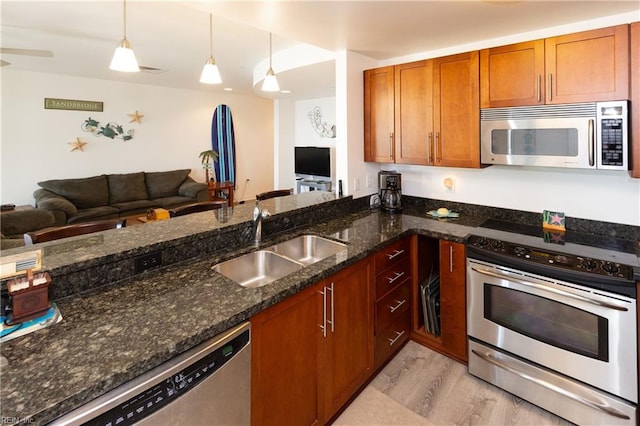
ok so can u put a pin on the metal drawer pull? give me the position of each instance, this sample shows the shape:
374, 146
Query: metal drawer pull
396, 253
584, 399
399, 334
399, 303
333, 316
394, 279
551, 290
323, 326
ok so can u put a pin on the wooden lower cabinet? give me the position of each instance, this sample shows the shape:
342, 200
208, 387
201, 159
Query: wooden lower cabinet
300, 374
449, 258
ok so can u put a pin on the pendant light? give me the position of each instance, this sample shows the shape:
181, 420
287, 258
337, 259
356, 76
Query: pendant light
210, 73
124, 59
270, 83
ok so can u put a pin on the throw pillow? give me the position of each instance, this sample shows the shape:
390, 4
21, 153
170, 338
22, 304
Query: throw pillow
127, 187
165, 184
84, 193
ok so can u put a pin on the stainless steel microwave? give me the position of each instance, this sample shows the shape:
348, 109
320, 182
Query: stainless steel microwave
586, 135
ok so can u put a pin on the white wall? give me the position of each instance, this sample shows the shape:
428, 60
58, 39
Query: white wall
175, 128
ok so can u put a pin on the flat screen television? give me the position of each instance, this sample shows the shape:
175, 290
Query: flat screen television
312, 161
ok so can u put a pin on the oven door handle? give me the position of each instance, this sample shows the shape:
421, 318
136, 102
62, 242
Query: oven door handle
584, 399
551, 289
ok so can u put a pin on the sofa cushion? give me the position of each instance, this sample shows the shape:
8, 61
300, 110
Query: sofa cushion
127, 187
95, 213
131, 207
19, 222
83, 193
165, 184
168, 202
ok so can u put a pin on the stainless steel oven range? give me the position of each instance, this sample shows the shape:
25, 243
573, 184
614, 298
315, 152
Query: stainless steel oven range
555, 324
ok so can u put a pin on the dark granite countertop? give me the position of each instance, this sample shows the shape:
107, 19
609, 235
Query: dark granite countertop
112, 334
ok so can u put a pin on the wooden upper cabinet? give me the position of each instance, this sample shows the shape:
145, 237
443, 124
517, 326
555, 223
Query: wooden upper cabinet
634, 112
512, 75
414, 113
589, 66
379, 115
456, 111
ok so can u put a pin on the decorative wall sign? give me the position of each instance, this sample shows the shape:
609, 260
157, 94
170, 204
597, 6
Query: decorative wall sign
111, 130
135, 117
77, 145
321, 127
72, 105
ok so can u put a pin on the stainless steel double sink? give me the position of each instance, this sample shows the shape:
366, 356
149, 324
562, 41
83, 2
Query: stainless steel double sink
262, 267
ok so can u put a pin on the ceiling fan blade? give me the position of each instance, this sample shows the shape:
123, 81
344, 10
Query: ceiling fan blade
27, 52
4, 63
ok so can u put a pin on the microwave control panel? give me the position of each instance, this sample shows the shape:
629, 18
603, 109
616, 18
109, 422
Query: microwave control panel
612, 140
612, 134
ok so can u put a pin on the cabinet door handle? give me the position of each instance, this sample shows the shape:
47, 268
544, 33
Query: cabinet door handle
332, 322
399, 303
323, 326
399, 334
539, 85
395, 253
550, 86
396, 277
429, 139
435, 147
391, 145
450, 258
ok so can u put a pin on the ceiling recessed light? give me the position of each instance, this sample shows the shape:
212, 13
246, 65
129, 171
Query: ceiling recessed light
285, 91
228, 89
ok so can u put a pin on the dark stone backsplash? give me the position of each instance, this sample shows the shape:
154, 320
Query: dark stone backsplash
416, 205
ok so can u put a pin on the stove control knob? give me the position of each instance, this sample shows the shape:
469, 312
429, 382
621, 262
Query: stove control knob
482, 242
610, 268
519, 251
497, 245
589, 264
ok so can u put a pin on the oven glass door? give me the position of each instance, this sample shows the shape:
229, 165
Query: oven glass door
586, 334
546, 320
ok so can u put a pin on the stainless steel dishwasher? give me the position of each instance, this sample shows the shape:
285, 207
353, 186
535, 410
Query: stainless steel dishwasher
207, 385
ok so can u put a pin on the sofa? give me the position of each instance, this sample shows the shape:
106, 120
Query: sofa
117, 195
13, 226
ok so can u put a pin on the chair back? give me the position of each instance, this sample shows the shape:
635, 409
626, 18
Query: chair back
51, 234
196, 207
274, 194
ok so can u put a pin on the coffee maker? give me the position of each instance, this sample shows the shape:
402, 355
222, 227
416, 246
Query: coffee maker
390, 191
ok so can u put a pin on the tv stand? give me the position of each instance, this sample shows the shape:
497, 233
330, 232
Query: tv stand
313, 185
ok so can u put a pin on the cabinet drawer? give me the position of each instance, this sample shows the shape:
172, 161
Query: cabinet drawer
392, 277
392, 254
390, 339
393, 306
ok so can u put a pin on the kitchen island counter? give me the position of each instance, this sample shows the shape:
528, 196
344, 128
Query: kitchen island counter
112, 334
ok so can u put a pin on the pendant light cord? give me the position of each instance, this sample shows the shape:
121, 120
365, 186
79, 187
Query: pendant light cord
270, 51
125, 18
211, 34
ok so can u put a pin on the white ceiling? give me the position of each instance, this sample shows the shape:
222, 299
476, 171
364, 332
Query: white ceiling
174, 35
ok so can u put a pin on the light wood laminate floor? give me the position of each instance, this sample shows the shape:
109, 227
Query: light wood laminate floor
422, 387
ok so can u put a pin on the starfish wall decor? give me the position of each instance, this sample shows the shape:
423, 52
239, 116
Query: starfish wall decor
135, 117
77, 145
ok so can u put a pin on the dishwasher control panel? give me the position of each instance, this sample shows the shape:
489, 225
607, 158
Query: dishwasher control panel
153, 398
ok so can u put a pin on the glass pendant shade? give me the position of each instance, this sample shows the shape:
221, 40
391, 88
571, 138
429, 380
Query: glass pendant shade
124, 59
210, 73
270, 82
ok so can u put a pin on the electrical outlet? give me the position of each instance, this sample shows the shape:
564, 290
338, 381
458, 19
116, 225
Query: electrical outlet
368, 181
356, 184
147, 261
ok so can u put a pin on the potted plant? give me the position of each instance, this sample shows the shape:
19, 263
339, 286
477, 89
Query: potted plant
207, 159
